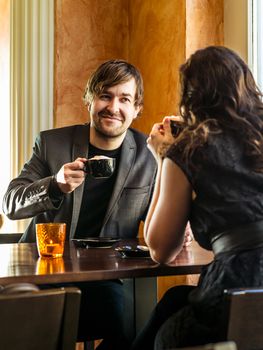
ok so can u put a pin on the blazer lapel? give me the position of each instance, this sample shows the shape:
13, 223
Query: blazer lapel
127, 158
80, 149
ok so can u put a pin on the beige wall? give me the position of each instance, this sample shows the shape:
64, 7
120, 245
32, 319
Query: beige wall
235, 26
157, 48
204, 24
155, 35
87, 32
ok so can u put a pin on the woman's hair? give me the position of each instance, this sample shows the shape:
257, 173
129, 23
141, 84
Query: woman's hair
219, 94
112, 73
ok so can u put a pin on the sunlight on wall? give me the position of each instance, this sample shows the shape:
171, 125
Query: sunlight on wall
235, 26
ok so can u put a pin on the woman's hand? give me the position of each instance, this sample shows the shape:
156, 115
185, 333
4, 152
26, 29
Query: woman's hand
188, 235
161, 137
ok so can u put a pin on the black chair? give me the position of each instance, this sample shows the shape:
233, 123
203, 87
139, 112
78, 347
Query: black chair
33, 319
10, 237
244, 315
228, 345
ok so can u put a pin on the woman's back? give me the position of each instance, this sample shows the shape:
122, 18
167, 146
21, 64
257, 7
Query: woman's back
228, 192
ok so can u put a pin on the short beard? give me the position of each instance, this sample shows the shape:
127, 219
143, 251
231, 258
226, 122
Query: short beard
109, 134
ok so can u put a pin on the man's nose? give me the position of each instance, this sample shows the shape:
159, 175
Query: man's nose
114, 106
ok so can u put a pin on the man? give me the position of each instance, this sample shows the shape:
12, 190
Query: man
52, 186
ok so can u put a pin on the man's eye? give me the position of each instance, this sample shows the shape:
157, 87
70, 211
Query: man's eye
104, 97
125, 99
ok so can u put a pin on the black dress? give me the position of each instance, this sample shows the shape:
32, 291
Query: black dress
228, 194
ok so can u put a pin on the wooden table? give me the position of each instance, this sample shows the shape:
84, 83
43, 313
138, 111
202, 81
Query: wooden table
20, 263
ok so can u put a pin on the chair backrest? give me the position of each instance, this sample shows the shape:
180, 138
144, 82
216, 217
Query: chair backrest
1, 220
39, 319
10, 237
245, 318
228, 345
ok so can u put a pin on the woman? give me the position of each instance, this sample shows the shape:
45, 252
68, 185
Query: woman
212, 176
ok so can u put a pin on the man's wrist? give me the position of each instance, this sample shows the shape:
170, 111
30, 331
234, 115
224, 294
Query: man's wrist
55, 192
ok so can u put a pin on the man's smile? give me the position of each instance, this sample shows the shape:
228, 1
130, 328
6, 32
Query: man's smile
111, 117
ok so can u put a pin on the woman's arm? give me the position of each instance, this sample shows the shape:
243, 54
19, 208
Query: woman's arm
169, 210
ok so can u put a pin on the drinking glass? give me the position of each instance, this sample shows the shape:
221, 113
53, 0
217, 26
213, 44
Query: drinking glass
49, 266
51, 239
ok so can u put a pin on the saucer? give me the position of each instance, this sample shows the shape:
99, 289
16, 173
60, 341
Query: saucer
96, 242
140, 251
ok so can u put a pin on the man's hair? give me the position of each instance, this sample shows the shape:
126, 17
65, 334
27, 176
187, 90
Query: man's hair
111, 73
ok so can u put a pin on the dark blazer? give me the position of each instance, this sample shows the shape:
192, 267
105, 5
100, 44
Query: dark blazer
28, 195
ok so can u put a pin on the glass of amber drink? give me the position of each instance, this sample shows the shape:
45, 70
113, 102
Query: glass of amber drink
49, 266
51, 239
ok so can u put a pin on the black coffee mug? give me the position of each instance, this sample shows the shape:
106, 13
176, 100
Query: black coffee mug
176, 128
100, 166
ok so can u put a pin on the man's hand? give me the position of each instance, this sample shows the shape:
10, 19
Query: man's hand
71, 175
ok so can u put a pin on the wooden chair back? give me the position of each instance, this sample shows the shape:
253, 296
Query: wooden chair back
245, 318
228, 345
33, 319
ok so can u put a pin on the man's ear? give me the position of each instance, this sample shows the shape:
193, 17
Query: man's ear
138, 111
89, 106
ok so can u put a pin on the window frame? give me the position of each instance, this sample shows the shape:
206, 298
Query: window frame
255, 40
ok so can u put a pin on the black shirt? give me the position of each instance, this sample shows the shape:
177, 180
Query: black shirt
96, 196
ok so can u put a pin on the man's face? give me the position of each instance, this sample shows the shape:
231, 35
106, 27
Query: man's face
113, 111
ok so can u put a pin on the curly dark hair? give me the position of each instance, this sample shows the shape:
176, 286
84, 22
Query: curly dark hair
219, 94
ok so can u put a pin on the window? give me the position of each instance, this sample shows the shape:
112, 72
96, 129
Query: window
255, 40
26, 94
5, 105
